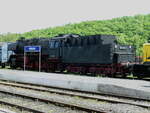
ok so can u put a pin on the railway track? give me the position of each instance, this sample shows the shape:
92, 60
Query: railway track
84, 95
45, 101
40, 99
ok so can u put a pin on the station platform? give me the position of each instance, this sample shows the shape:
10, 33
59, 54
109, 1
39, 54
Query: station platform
122, 87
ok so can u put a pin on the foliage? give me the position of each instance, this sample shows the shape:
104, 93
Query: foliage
130, 30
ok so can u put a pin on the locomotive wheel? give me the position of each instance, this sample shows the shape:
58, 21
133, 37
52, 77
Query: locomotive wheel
93, 74
12, 66
112, 75
140, 76
52, 67
83, 71
124, 75
60, 68
137, 75
13, 63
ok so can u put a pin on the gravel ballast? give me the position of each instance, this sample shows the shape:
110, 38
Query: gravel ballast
113, 108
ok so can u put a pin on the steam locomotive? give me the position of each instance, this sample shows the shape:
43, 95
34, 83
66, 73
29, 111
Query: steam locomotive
94, 54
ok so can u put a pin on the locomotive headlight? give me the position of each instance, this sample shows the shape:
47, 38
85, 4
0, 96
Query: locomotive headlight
130, 47
115, 46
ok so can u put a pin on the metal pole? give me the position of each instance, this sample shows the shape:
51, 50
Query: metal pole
39, 61
24, 61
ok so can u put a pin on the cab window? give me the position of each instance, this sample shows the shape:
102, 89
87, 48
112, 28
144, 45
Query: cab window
57, 44
52, 44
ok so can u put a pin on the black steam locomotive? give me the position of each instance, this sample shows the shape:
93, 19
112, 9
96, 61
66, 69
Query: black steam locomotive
95, 54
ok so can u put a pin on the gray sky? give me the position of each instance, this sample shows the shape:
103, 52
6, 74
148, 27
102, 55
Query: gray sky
26, 15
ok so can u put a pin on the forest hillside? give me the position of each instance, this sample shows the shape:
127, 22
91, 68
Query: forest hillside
133, 30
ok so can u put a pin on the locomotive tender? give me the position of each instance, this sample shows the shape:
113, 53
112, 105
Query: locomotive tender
95, 54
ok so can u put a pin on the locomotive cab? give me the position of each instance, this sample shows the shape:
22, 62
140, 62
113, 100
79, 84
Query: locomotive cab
54, 50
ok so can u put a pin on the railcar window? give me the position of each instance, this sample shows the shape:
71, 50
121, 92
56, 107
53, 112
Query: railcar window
57, 44
52, 44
